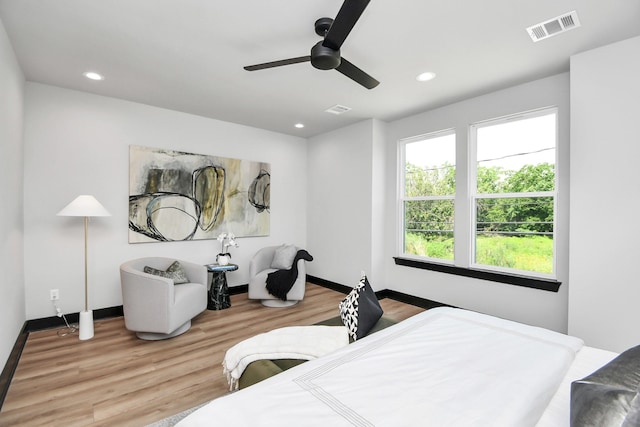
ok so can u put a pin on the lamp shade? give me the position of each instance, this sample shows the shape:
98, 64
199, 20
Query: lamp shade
84, 206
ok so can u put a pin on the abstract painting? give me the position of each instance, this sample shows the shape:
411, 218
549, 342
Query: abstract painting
175, 195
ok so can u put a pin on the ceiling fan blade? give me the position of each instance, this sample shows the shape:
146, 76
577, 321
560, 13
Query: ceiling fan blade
356, 74
346, 18
278, 63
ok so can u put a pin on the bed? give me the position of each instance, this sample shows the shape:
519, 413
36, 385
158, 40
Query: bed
443, 367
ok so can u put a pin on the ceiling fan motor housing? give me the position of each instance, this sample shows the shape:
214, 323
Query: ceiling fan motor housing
324, 58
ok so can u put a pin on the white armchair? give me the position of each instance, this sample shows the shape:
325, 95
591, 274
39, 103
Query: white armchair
153, 306
260, 267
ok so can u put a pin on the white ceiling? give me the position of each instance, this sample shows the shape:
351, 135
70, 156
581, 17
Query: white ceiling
188, 55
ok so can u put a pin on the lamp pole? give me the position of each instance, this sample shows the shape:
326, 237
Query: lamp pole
86, 274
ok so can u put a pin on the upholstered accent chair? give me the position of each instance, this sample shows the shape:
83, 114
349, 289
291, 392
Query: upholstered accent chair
268, 260
155, 307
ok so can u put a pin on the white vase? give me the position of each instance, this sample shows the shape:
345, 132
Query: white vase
222, 259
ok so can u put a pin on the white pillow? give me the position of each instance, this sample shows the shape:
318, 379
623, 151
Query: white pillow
283, 257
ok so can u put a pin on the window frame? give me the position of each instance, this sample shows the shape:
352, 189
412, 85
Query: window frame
402, 198
465, 209
474, 195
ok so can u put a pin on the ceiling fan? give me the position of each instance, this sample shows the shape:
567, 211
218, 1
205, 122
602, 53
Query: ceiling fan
325, 55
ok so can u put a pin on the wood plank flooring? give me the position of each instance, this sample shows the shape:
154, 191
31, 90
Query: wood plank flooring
116, 379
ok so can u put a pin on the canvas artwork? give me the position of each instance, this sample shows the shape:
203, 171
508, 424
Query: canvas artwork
184, 196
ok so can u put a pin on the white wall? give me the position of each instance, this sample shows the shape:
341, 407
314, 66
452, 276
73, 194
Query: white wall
78, 143
342, 204
531, 306
12, 314
605, 196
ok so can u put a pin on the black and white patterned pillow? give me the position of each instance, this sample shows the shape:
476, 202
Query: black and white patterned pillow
175, 272
360, 310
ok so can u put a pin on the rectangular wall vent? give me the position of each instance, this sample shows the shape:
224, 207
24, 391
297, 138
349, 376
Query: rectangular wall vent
552, 27
338, 109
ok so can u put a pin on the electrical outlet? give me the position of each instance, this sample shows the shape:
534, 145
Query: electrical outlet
54, 294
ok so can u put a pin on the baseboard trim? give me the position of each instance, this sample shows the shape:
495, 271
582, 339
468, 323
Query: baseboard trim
385, 293
236, 290
427, 304
57, 322
328, 284
12, 364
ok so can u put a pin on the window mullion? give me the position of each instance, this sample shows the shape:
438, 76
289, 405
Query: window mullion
466, 259
515, 195
422, 198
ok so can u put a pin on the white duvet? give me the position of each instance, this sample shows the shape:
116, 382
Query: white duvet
443, 367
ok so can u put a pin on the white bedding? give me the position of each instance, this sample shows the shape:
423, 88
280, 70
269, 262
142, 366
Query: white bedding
587, 360
443, 367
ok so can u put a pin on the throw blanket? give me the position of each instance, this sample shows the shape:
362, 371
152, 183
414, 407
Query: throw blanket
293, 342
280, 282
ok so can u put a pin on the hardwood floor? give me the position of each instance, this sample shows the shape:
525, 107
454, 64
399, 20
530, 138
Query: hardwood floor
117, 379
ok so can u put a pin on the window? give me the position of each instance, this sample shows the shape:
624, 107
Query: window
428, 192
513, 199
503, 219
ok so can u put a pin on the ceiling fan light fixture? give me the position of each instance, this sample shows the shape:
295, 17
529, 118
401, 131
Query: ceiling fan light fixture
425, 77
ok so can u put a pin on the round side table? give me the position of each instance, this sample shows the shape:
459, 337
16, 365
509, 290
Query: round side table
219, 290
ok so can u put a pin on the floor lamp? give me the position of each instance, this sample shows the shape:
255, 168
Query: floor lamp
85, 206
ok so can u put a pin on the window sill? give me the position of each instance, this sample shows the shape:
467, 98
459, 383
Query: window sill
511, 279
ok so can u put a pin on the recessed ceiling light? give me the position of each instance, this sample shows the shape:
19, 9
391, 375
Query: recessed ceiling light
299, 125
425, 77
93, 75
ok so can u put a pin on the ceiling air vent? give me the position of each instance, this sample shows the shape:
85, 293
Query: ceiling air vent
338, 109
552, 27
